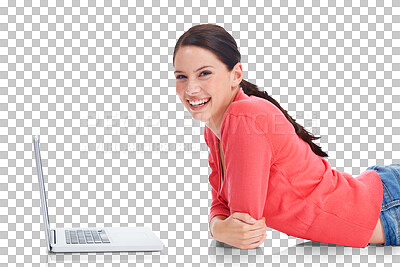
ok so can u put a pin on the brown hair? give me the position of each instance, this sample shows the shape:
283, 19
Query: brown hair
217, 40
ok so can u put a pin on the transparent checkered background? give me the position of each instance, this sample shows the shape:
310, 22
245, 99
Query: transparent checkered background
95, 80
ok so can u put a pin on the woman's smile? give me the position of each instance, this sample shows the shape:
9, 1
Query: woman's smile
199, 105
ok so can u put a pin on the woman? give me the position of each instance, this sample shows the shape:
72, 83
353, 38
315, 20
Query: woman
265, 169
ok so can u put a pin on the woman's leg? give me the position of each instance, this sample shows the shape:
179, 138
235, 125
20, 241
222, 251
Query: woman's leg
389, 219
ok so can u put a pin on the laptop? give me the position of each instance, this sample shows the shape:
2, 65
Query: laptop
102, 239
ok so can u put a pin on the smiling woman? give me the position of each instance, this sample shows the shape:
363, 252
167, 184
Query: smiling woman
211, 82
265, 168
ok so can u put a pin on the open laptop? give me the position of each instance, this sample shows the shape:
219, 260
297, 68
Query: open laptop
101, 239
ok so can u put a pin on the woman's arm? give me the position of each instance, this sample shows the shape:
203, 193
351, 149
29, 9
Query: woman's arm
248, 158
232, 223
239, 230
213, 221
217, 208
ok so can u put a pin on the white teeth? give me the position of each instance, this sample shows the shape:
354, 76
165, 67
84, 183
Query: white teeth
196, 103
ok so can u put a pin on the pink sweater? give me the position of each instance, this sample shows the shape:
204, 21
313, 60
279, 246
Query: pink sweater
273, 173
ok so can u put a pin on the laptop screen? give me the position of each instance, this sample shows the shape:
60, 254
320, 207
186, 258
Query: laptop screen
43, 201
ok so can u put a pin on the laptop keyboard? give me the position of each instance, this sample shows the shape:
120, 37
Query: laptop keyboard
86, 237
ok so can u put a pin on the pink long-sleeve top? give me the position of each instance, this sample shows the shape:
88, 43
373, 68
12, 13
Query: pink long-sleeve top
271, 172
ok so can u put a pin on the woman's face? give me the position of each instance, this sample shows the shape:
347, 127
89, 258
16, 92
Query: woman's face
201, 76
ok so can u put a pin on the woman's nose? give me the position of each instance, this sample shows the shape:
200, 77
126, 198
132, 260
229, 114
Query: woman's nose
192, 89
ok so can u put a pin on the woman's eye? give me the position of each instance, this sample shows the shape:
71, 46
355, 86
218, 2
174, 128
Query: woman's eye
206, 72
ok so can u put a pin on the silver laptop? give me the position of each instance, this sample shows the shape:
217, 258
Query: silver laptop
92, 239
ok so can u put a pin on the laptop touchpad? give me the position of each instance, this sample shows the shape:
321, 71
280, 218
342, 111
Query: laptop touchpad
129, 237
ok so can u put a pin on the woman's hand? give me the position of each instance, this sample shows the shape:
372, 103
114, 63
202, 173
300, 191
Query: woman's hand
241, 230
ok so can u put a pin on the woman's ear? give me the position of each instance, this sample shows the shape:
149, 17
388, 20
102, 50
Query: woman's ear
237, 75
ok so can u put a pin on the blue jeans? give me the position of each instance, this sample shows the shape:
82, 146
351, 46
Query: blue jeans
390, 210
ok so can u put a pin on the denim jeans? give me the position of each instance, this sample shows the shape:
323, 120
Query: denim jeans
390, 210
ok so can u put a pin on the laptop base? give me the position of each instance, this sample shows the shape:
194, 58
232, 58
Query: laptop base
121, 239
